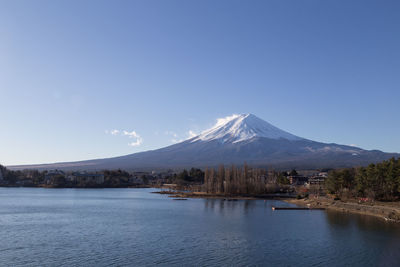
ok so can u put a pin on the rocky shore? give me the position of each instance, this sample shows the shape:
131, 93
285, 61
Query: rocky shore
389, 211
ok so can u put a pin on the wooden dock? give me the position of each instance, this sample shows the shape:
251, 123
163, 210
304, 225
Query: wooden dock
296, 208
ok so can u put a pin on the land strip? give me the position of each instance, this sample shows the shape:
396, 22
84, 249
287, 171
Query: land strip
389, 211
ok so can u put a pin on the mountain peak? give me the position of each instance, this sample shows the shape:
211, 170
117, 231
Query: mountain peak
237, 128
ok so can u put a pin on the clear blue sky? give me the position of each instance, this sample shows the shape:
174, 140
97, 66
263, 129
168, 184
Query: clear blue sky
73, 71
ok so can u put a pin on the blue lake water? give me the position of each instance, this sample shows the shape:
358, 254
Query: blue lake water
131, 227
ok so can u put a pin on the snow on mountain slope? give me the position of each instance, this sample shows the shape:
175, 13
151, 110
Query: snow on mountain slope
238, 128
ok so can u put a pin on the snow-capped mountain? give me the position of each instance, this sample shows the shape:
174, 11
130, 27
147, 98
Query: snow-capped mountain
234, 140
238, 128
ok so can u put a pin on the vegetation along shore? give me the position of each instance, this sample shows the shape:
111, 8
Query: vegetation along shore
372, 190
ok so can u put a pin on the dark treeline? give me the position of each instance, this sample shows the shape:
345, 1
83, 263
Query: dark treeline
194, 175
57, 178
14, 176
118, 178
242, 181
377, 181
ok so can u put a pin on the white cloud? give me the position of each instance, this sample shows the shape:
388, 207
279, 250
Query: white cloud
138, 142
191, 134
132, 134
221, 121
114, 132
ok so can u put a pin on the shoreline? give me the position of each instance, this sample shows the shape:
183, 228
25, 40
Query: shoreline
388, 211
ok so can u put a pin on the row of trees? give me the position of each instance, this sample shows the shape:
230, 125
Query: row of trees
194, 175
112, 178
14, 176
245, 180
377, 181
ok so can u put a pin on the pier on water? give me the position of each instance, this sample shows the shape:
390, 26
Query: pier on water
296, 208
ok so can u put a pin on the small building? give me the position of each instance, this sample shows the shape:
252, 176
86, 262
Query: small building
323, 174
50, 175
297, 179
316, 180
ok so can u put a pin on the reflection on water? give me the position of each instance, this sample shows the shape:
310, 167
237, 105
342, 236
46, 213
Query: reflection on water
220, 205
130, 227
361, 222
374, 238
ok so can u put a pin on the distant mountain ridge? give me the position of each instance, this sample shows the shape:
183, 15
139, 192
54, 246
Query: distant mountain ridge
234, 140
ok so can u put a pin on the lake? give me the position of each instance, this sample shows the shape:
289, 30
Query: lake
132, 227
